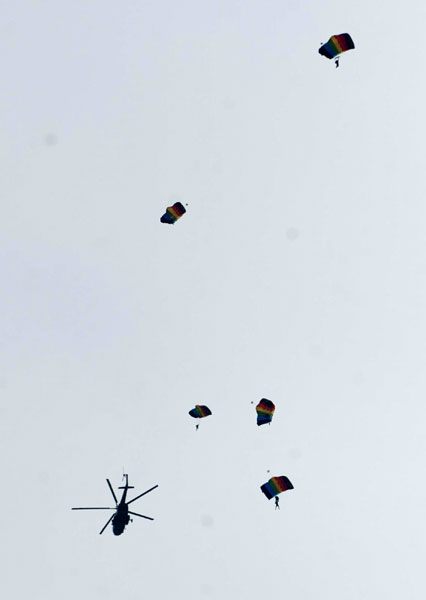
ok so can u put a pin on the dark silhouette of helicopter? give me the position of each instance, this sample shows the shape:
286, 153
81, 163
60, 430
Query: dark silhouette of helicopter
121, 516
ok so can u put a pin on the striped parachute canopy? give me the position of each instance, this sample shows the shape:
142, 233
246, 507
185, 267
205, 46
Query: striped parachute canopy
265, 411
336, 45
173, 213
200, 411
275, 486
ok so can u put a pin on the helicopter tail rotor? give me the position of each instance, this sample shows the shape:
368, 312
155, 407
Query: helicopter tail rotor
127, 486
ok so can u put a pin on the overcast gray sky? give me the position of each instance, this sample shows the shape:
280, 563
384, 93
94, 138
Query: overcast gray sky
297, 274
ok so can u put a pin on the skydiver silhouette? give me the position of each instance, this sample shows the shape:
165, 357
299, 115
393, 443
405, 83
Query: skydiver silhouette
197, 426
337, 62
277, 503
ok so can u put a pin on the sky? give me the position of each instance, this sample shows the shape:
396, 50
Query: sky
297, 274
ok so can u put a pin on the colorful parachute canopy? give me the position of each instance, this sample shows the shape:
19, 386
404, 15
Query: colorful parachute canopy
173, 213
200, 411
336, 45
275, 486
265, 411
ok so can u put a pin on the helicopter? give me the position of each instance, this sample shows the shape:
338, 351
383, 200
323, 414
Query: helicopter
121, 516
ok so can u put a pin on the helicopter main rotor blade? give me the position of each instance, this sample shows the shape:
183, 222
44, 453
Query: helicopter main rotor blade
93, 508
112, 491
140, 495
138, 515
106, 525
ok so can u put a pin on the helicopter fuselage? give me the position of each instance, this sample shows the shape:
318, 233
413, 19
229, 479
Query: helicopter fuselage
120, 519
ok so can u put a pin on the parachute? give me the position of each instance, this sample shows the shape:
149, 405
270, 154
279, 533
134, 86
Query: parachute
173, 213
275, 486
336, 45
265, 411
200, 411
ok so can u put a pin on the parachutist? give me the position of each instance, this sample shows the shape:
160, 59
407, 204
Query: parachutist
197, 426
277, 503
336, 45
173, 213
199, 412
275, 486
265, 411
